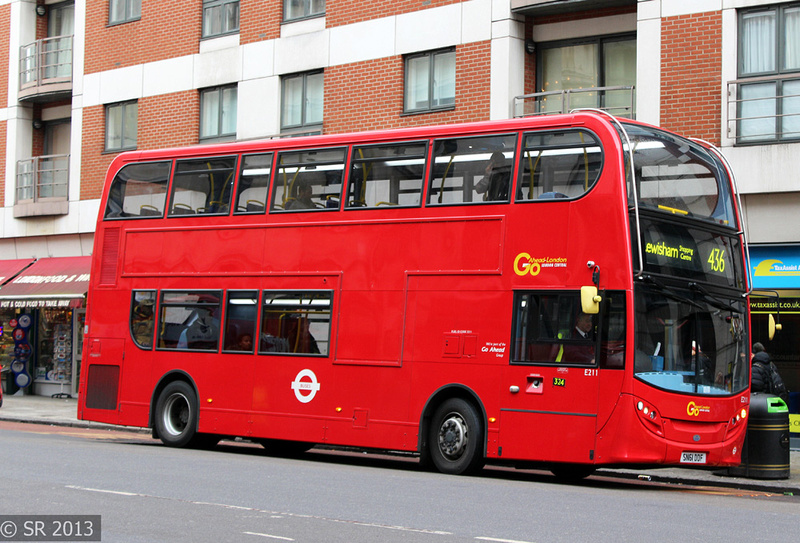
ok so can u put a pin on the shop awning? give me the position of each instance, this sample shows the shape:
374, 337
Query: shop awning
10, 268
775, 267
49, 282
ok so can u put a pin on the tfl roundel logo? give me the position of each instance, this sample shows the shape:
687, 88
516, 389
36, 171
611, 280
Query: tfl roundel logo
305, 386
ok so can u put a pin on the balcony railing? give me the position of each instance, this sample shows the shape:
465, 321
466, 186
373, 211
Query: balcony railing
619, 101
45, 67
42, 178
764, 109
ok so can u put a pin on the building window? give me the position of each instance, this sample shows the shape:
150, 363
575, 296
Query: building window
768, 94
301, 9
218, 113
587, 69
430, 81
302, 97
220, 17
122, 122
123, 11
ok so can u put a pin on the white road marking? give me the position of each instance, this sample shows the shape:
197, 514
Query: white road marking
501, 540
256, 510
269, 536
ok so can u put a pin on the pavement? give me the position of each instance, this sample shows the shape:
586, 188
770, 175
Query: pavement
63, 412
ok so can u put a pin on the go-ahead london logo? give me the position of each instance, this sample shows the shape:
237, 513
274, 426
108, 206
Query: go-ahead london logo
305, 391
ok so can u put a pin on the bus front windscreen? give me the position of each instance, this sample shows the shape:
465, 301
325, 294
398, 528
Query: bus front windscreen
690, 340
679, 177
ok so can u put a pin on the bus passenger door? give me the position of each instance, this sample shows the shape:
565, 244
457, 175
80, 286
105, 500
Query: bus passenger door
549, 400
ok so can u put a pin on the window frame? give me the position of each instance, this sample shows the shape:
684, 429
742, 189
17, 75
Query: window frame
435, 194
431, 56
217, 4
304, 127
124, 111
307, 13
219, 136
225, 192
300, 293
352, 184
128, 6
778, 77
147, 294
164, 305
600, 58
254, 332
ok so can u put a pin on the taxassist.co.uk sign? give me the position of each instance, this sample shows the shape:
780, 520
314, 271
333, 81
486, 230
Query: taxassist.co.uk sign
775, 267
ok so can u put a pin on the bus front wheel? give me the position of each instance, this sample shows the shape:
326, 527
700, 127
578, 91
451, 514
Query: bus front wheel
456, 437
176, 414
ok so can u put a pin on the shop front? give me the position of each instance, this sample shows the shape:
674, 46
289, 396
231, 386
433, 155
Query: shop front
42, 309
776, 284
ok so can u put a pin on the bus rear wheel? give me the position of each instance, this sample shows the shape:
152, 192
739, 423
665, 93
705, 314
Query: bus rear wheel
176, 415
456, 437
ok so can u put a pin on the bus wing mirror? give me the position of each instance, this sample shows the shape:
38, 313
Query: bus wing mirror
590, 300
774, 327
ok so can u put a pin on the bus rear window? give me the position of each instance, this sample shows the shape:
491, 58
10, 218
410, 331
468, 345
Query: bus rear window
138, 190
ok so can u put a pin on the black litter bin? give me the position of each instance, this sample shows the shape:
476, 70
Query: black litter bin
765, 454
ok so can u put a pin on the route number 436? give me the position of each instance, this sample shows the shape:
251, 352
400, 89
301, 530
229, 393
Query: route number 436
717, 260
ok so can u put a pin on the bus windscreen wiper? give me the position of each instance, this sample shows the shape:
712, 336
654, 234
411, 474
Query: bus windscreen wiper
666, 291
710, 299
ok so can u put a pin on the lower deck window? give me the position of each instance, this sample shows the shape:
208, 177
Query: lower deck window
295, 322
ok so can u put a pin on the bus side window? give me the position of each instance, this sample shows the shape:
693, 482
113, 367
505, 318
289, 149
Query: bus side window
472, 170
558, 165
241, 312
386, 175
202, 186
138, 190
189, 320
550, 328
308, 180
143, 317
251, 194
612, 330
295, 322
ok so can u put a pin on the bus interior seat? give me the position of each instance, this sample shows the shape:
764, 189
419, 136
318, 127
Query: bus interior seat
182, 209
147, 210
254, 206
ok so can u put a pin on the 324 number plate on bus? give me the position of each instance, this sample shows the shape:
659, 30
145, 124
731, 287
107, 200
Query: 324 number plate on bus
693, 458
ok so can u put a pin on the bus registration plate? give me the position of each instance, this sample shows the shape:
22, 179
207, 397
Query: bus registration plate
693, 458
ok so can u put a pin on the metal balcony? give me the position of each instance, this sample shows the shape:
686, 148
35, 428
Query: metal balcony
764, 110
619, 101
42, 186
45, 70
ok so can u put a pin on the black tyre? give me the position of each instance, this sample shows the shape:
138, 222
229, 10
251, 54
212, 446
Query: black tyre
455, 441
176, 415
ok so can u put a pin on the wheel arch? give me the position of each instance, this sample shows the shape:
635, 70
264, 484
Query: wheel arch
442, 394
166, 379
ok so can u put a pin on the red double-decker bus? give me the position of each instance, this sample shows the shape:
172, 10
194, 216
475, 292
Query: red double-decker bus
567, 291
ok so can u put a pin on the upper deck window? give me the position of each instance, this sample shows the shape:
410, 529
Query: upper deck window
471, 170
387, 175
202, 186
677, 176
251, 195
308, 180
558, 165
138, 190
